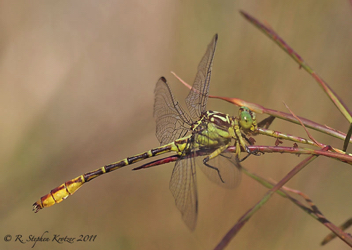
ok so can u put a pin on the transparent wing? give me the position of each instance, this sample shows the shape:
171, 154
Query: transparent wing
228, 167
171, 121
197, 98
183, 186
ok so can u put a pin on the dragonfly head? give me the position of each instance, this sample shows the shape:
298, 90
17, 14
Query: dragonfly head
247, 119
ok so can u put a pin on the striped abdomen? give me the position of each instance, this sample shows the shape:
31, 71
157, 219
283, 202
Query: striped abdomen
61, 192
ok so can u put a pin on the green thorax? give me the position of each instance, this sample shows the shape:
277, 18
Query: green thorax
213, 128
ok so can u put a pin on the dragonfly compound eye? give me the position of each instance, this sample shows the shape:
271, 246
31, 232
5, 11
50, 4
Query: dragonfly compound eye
246, 119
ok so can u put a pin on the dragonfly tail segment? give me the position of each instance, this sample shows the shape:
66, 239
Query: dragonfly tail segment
66, 189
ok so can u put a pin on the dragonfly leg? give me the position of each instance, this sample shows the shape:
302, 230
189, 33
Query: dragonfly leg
247, 149
248, 152
215, 168
239, 140
256, 152
238, 148
213, 155
216, 152
245, 157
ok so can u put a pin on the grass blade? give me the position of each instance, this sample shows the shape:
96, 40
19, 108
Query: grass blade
282, 44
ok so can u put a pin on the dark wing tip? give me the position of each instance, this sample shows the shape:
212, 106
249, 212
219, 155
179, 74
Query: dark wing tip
216, 37
163, 79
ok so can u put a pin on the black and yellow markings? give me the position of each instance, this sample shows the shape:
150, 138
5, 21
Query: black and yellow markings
211, 130
222, 121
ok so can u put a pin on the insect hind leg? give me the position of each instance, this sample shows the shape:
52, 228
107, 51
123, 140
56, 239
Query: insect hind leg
205, 161
215, 153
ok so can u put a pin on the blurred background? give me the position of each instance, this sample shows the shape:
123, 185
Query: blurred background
76, 92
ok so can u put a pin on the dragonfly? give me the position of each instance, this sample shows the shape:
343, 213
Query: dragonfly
184, 134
